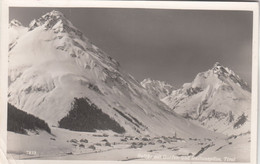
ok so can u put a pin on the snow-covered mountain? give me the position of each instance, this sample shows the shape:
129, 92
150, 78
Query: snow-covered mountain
53, 64
157, 88
217, 99
16, 29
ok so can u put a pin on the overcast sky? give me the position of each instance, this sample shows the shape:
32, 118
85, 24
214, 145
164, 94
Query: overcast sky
167, 45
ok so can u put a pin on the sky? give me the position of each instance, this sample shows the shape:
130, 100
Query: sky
167, 45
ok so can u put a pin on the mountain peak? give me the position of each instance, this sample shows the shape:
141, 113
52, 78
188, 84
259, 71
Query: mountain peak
15, 23
151, 81
157, 88
54, 16
221, 70
147, 80
217, 64
54, 13
224, 72
53, 20
215, 99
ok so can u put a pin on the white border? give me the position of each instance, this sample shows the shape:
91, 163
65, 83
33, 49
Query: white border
241, 6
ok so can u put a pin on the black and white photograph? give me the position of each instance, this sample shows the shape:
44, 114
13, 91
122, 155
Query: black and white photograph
130, 84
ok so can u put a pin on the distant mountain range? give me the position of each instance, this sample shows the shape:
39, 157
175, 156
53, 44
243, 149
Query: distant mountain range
157, 88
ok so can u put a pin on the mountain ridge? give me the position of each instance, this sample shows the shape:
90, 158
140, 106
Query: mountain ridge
157, 88
217, 99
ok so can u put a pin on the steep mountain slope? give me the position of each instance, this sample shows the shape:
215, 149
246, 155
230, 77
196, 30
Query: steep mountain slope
217, 99
16, 29
54, 63
157, 88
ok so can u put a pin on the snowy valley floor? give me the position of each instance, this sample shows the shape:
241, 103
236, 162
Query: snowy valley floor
106, 145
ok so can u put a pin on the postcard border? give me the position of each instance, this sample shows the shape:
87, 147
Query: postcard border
240, 6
